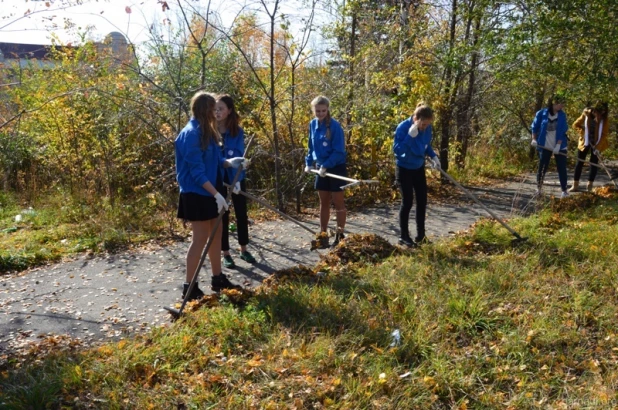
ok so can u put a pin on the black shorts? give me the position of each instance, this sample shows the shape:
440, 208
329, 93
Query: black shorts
196, 207
332, 184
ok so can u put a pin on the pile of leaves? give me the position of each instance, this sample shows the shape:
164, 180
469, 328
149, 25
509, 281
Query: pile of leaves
320, 241
574, 202
300, 273
606, 191
354, 249
359, 248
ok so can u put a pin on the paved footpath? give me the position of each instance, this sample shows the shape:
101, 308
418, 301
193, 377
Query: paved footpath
110, 297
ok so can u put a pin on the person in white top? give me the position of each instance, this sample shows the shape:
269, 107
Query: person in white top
593, 129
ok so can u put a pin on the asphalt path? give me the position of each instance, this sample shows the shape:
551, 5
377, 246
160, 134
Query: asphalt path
109, 297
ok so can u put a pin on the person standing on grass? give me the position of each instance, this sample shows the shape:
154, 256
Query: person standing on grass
199, 172
326, 149
549, 136
593, 128
411, 145
233, 146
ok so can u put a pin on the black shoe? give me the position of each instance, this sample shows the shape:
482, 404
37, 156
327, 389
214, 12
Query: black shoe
220, 282
196, 292
338, 238
407, 242
422, 240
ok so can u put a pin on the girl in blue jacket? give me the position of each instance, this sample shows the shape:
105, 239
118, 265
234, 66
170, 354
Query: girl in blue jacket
411, 145
233, 146
549, 136
327, 151
199, 172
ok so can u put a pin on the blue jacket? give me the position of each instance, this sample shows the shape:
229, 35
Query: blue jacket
539, 127
410, 152
194, 166
233, 147
327, 153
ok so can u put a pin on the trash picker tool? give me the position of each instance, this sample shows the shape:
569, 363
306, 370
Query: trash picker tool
489, 211
272, 208
352, 181
579, 160
601, 164
176, 313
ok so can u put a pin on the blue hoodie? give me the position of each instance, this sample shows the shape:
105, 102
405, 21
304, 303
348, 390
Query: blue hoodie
233, 147
327, 153
194, 166
410, 152
539, 127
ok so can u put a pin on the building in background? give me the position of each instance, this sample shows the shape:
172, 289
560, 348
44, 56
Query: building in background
16, 56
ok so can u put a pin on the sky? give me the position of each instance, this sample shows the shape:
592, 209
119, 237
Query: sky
38, 21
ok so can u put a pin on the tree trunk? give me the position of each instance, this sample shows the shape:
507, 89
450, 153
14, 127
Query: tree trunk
446, 112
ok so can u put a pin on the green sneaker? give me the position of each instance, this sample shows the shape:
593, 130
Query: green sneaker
228, 262
247, 257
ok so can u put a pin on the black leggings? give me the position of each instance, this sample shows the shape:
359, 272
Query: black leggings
578, 167
242, 221
410, 182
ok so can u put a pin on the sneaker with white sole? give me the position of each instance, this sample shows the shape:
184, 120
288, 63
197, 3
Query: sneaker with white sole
564, 194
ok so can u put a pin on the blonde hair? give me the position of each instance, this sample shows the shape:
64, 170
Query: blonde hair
203, 110
321, 100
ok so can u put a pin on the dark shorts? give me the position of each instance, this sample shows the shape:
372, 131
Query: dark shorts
332, 184
196, 207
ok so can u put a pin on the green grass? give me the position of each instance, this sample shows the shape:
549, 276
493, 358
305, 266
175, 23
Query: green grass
59, 225
485, 324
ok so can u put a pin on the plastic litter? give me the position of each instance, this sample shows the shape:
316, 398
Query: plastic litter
395, 338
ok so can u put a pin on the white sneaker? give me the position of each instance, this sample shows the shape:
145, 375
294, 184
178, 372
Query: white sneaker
564, 194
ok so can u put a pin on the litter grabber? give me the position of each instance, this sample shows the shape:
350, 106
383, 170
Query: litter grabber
272, 208
489, 211
583, 161
176, 313
352, 182
600, 165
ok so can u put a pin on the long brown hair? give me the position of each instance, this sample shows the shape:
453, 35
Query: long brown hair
601, 108
321, 100
203, 110
232, 120
423, 112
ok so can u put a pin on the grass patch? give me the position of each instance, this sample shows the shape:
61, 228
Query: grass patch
483, 324
60, 226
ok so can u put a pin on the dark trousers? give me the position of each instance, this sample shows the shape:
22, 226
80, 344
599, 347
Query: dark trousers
242, 221
412, 182
578, 167
561, 164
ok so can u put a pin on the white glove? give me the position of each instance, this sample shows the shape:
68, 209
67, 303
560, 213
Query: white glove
556, 149
534, 143
435, 162
413, 132
322, 172
236, 189
308, 169
221, 203
238, 161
